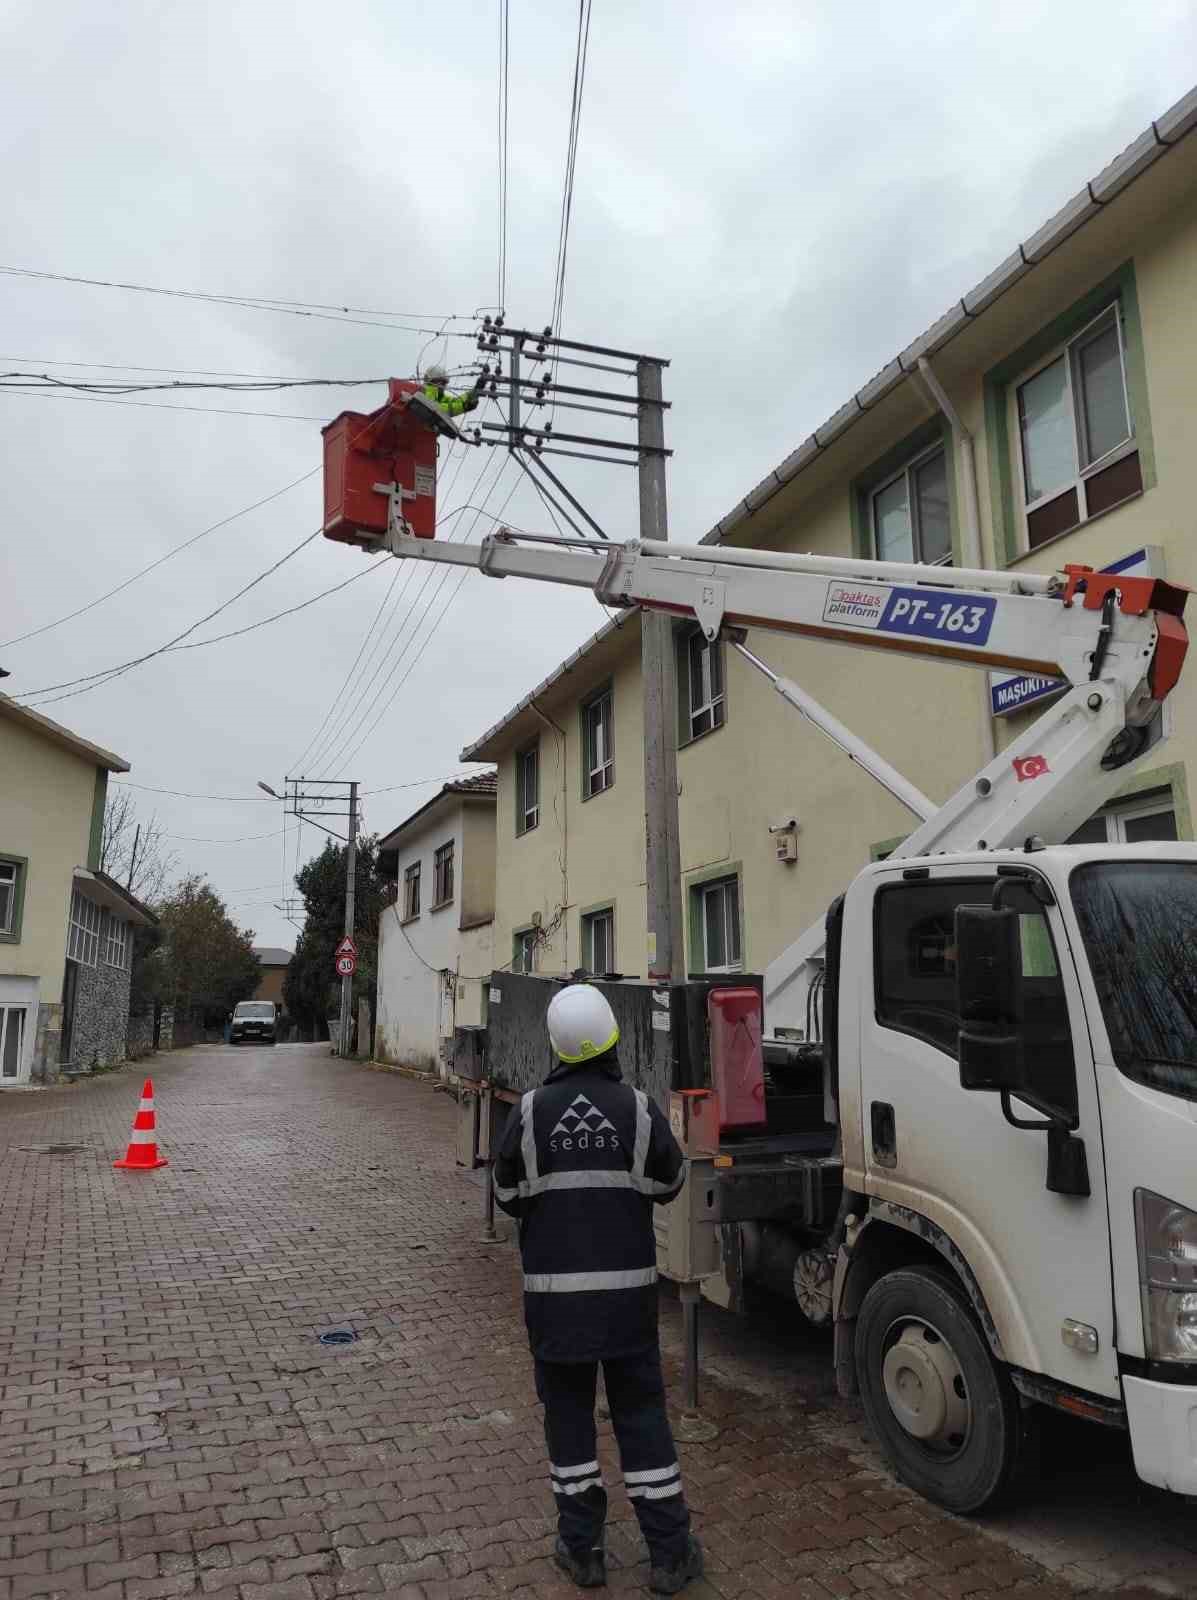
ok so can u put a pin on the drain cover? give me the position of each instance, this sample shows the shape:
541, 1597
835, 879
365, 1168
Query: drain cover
54, 1149
338, 1336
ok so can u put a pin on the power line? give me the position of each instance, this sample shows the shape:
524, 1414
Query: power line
107, 674
453, 593
504, 42
325, 742
245, 838
567, 193
263, 799
176, 550
252, 627
34, 382
157, 405
335, 751
294, 308
133, 366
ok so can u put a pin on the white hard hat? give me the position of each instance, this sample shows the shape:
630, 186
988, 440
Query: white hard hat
581, 1023
435, 374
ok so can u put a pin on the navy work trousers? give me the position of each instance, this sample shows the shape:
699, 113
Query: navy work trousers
652, 1477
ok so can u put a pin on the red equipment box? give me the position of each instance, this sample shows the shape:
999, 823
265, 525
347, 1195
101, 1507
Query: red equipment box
391, 446
737, 1065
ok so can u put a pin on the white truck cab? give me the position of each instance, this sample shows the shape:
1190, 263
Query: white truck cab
1017, 1093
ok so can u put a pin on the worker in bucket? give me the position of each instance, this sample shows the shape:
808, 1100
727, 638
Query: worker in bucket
436, 391
583, 1160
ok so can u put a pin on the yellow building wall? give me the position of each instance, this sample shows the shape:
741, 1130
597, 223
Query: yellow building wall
46, 799
767, 764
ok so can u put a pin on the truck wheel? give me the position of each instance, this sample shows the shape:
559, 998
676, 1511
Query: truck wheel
944, 1412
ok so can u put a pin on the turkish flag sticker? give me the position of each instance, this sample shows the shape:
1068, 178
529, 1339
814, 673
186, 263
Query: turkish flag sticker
1028, 767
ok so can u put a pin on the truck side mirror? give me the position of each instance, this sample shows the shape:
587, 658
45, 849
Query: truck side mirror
989, 998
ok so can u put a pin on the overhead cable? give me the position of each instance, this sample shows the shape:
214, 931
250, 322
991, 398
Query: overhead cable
294, 308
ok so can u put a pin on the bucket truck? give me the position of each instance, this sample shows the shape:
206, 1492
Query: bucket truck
976, 1078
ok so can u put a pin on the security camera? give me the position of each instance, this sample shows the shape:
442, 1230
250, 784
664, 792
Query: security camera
790, 825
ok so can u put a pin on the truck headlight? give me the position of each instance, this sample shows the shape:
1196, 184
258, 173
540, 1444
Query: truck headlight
1167, 1238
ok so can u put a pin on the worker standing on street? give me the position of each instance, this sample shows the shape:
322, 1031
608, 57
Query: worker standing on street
435, 389
583, 1160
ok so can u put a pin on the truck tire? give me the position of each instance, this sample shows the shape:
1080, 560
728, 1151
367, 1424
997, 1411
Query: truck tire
944, 1412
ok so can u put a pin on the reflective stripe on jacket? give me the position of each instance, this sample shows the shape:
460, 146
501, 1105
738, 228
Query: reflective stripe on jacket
582, 1161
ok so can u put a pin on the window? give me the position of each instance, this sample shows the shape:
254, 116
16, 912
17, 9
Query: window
910, 515
83, 939
527, 789
442, 876
1076, 433
598, 752
10, 898
915, 966
1134, 822
411, 892
12, 1040
717, 924
598, 941
116, 942
700, 684
523, 950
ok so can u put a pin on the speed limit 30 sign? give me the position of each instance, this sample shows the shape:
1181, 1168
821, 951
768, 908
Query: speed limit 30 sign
347, 965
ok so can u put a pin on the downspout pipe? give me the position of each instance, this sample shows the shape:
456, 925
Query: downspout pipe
971, 541
563, 747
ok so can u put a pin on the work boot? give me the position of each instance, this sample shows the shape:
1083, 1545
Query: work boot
670, 1579
588, 1571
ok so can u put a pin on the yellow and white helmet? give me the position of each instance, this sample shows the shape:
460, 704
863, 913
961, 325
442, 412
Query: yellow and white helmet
581, 1023
436, 374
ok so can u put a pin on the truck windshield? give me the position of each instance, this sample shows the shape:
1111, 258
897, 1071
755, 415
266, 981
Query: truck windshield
255, 1011
1139, 922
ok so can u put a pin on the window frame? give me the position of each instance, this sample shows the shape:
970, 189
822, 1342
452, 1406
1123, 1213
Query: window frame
1011, 544
20, 866
6, 1012
522, 809
443, 875
907, 471
1116, 815
122, 942
715, 704
88, 935
523, 946
588, 922
411, 891
1067, 351
607, 766
717, 882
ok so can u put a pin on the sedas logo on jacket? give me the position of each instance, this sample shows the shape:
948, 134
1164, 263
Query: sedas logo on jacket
582, 1126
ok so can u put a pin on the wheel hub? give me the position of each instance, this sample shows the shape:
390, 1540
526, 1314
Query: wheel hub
925, 1387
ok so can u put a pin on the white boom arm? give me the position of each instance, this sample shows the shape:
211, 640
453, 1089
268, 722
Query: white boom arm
1118, 641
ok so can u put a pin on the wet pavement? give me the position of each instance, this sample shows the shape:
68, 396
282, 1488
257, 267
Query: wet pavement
171, 1422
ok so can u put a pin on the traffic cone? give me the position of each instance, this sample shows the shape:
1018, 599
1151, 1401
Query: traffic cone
143, 1147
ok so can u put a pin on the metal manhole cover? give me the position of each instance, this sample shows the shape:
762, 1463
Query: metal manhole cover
55, 1149
339, 1336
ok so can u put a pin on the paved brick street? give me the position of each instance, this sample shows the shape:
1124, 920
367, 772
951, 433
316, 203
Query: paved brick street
170, 1423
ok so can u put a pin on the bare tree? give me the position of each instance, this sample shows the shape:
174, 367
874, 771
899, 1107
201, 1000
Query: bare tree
133, 849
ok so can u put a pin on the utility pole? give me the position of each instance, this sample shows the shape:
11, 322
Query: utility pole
350, 886
662, 851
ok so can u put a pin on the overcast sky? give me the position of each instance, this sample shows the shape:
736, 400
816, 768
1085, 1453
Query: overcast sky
777, 197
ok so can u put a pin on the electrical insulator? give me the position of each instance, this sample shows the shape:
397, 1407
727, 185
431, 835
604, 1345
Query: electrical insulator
486, 369
486, 321
494, 341
498, 322
548, 332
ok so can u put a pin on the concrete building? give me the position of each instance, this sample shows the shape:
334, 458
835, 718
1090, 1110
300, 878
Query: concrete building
66, 928
274, 969
1068, 370
435, 946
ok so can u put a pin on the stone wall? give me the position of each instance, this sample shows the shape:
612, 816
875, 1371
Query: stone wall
141, 1036
101, 1026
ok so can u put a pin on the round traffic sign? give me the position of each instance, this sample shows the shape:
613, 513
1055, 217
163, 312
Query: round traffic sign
346, 966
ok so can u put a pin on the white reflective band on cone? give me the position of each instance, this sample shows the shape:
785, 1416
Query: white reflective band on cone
142, 1136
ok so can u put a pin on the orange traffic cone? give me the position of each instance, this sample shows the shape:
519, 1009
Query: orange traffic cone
143, 1147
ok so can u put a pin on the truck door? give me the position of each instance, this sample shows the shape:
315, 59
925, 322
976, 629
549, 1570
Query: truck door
1041, 1260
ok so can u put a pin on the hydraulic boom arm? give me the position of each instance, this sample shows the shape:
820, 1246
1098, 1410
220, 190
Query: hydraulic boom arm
1118, 642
